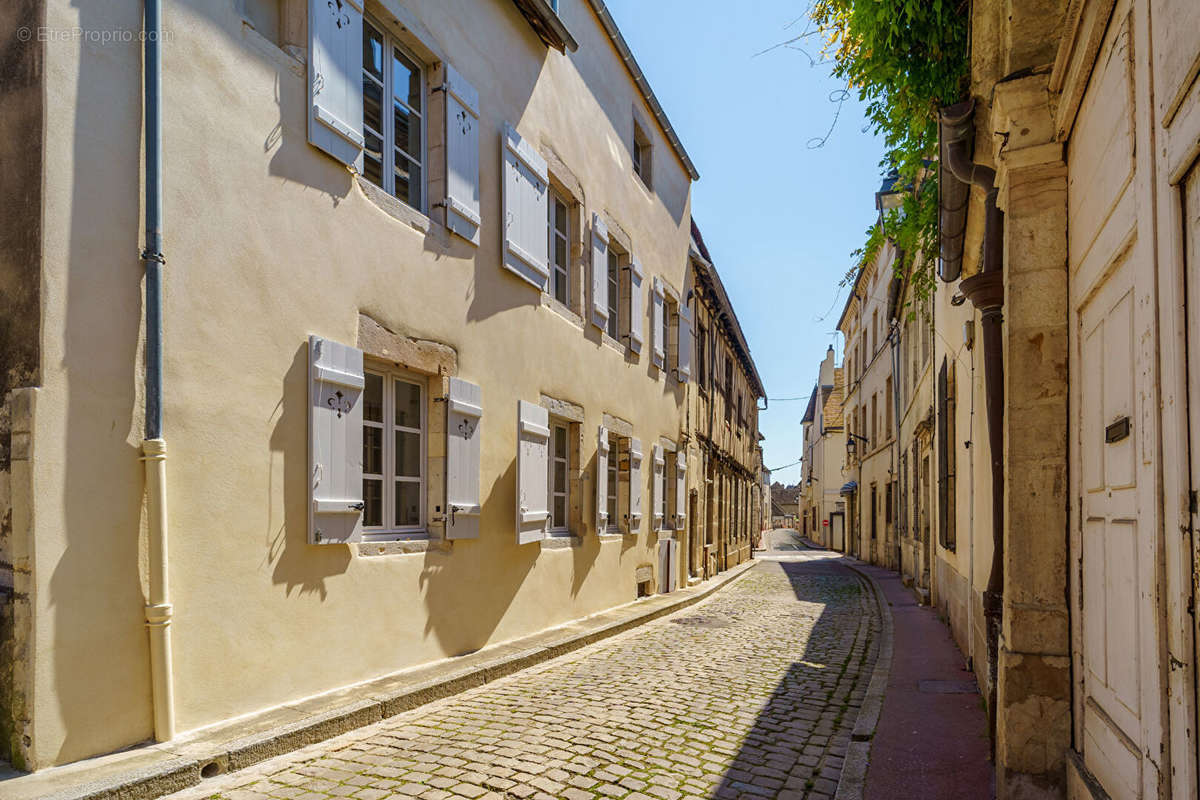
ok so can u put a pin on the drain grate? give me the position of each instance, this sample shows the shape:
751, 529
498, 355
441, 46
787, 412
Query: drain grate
948, 687
703, 622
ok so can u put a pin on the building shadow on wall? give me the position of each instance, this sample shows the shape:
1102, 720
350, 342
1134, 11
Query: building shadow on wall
801, 727
468, 591
296, 565
95, 589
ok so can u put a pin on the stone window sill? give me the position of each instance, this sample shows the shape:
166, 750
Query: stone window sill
612, 537
393, 207
401, 547
561, 541
562, 310
611, 342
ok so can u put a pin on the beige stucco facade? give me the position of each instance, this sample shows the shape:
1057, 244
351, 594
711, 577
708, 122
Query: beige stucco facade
269, 241
822, 506
869, 414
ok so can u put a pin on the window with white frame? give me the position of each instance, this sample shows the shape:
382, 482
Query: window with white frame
393, 117
614, 481
559, 480
394, 431
559, 246
614, 293
670, 319
669, 476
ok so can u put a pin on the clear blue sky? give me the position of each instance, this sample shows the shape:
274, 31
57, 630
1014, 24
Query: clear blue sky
780, 219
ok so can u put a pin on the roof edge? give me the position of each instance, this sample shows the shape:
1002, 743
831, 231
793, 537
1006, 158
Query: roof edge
639, 78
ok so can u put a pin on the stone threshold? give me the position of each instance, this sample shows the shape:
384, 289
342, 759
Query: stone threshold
153, 770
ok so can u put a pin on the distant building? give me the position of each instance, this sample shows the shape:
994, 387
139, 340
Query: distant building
822, 508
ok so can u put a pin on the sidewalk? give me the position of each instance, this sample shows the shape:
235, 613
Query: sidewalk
931, 741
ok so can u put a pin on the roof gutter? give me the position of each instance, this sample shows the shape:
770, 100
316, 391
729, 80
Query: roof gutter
614, 33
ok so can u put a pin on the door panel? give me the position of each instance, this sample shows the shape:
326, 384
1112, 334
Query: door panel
1191, 217
1112, 549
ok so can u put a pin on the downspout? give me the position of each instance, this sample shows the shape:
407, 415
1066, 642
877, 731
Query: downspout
894, 338
986, 293
154, 448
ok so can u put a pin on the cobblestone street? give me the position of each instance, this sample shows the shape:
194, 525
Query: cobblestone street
752, 693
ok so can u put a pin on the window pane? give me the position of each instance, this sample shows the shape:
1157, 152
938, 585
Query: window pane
372, 104
373, 398
560, 285
560, 476
560, 251
373, 158
373, 500
408, 454
406, 80
560, 442
372, 51
407, 131
560, 512
372, 450
408, 180
408, 404
560, 216
408, 503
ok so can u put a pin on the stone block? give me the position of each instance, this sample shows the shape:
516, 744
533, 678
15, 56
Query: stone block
1036, 367
1033, 705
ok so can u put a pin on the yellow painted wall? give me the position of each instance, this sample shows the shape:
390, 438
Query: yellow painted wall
269, 240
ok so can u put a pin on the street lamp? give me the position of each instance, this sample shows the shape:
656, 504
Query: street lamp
851, 447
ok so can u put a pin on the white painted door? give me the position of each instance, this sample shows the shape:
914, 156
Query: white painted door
1113, 544
838, 536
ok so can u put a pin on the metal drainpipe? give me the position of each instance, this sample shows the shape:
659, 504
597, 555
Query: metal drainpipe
894, 338
986, 292
154, 448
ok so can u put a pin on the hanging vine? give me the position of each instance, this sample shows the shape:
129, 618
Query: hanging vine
906, 59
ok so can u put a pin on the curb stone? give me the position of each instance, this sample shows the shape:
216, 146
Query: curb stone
153, 770
853, 780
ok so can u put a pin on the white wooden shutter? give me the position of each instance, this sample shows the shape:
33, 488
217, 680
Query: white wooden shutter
335, 442
335, 108
637, 313
668, 565
680, 487
526, 182
533, 472
656, 486
657, 309
602, 480
462, 155
464, 429
599, 272
683, 347
635, 484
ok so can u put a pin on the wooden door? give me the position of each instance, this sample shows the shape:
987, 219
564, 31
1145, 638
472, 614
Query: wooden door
1113, 542
1191, 217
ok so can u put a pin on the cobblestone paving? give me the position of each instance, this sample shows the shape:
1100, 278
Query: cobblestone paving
751, 694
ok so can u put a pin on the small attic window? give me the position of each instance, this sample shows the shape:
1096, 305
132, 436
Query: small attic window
641, 153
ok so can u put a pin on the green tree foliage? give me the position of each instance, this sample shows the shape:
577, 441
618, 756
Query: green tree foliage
906, 59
